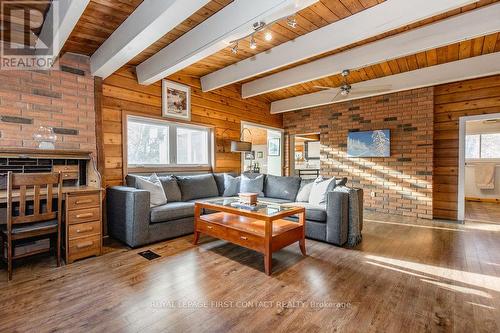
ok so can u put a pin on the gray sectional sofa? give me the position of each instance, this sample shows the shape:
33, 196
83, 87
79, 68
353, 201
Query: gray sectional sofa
132, 221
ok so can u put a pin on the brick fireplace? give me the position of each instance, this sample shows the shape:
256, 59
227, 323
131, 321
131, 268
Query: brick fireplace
62, 99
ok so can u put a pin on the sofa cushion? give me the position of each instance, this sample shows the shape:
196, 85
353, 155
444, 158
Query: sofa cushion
305, 190
155, 189
172, 211
171, 188
320, 188
252, 185
197, 186
231, 185
285, 188
219, 180
313, 212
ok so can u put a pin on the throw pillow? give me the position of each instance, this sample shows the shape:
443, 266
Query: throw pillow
304, 192
341, 182
231, 185
155, 188
249, 185
319, 190
171, 188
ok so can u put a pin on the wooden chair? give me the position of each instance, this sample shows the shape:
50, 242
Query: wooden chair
36, 221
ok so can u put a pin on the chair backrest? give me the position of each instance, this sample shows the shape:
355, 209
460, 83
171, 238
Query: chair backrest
33, 187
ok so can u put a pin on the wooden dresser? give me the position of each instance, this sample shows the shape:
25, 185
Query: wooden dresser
83, 212
82, 219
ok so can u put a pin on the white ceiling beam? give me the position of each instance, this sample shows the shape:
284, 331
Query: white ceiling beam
476, 23
479, 66
66, 14
384, 17
148, 23
232, 22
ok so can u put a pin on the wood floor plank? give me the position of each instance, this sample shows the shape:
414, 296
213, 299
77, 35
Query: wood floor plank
406, 275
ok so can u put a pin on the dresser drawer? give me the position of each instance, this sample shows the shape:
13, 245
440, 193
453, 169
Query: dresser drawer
211, 229
84, 247
84, 215
65, 168
84, 229
246, 239
83, 201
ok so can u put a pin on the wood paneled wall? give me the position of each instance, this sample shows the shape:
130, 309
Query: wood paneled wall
223, 109
452, 101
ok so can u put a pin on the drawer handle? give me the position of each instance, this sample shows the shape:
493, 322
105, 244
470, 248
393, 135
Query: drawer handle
80, 216
209, 227
243, 237
84, 245
84, 230
84, 201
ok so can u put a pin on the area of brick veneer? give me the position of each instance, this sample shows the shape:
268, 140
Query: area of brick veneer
400, 184
62, 99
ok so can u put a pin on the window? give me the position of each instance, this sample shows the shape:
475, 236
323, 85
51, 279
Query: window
154, 143
482, 146
191, 146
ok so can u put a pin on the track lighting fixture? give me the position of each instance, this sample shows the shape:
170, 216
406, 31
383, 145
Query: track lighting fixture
253, 43
260, 26
234, 49
291, 21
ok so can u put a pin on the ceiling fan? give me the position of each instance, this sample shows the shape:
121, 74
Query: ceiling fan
346, 89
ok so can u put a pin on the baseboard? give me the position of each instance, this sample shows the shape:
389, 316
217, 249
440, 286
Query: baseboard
489, 200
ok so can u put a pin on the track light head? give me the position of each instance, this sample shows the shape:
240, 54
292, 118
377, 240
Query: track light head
234, 49
253, 43
291, 21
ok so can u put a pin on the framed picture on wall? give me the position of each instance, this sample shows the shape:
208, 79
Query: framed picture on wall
250, 155
176, 100
274, 147
260, 154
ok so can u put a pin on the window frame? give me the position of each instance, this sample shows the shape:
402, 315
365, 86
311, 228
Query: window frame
479, 159
172, 145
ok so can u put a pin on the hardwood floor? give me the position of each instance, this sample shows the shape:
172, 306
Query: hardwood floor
407, 275
482, 211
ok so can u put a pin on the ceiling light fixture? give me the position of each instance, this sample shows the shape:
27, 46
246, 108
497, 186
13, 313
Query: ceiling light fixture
291, 21
234, 49
253, 43
260, 26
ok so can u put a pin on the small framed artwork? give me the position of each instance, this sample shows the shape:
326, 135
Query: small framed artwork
250, 155
176, 100
260, 154
274, 147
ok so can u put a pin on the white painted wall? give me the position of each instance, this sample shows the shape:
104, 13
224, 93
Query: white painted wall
471, 190
274, 162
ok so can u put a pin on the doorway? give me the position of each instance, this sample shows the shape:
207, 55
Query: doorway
267, 149
305, 155
479, 169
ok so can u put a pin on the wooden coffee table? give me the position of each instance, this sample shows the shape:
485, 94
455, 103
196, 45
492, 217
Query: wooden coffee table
263, 230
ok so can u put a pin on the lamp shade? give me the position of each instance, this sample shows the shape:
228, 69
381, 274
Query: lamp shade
240, 146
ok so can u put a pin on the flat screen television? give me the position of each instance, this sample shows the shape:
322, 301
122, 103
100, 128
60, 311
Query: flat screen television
369, 143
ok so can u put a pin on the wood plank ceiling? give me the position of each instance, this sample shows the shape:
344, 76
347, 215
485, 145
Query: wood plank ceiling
453, 52
102, 17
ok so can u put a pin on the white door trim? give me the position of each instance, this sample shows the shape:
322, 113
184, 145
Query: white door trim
461, 159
